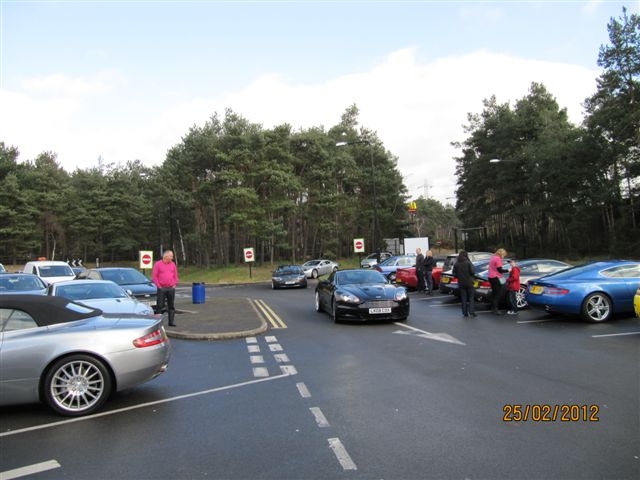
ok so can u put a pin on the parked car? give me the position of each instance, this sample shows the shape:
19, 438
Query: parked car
530, 269
636, 302
407, 276
50, 271
595, 291
317, 268
360, 294
141, 287
390, 265
473, 257
22, 284
72, 357
103, 294
372, 259
288, 276
449, 282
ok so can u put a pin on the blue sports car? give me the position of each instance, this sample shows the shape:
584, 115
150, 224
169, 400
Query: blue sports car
595, 290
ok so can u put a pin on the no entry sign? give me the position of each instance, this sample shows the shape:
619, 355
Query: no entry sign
248, 255
358, 245
146, 259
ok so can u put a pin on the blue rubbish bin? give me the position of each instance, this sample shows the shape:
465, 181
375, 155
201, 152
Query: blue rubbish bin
197, 292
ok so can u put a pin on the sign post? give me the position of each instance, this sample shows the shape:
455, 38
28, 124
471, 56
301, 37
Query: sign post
358, 247
249, 258
146, 259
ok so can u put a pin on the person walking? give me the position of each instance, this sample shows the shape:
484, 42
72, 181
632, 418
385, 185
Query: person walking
165, 276
419, 269
464, 271
513, 285
496, 279
429, 264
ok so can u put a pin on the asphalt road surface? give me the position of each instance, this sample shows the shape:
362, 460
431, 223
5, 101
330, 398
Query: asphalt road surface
437, 397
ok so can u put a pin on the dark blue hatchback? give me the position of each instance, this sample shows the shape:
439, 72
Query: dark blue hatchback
142, 288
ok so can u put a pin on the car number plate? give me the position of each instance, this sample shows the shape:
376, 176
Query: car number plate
380, 310
536, 289
444, 279
290, 283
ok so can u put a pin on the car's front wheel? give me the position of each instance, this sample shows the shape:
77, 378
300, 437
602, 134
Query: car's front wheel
334, 311
318, 305
314, 273
77, 385
597, 307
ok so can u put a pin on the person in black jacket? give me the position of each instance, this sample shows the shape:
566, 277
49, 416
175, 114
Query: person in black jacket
419, 269
463, 270
427, 266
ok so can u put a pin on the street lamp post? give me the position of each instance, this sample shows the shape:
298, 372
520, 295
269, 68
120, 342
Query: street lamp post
373, 182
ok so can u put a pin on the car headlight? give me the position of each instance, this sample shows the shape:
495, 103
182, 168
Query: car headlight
277, 279
401, 294
347, 297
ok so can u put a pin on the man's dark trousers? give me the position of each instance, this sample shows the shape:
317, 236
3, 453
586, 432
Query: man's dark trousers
168, 295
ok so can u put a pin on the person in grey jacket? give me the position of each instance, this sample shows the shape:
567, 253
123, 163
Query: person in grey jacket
463, 270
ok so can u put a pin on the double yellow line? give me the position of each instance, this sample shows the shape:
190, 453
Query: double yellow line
269, 315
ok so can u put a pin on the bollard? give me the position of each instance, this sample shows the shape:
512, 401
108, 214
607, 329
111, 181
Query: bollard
197, 292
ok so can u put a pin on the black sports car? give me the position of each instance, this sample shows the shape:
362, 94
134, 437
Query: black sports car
288, 276
361, 295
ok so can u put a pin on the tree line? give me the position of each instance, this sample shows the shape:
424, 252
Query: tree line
542, 186
227, 185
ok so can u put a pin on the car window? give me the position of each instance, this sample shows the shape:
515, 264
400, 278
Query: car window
11, 319
623, 271
56, 271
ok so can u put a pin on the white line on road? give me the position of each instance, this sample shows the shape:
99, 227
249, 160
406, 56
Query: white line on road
29, 470
321, 420
341, 454
441, 337
615, 334
144, 405
304, 391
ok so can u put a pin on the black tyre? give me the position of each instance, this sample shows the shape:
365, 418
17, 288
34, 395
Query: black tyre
314, 273
77, 385
334, 312
596, 308
521, 298
318, 306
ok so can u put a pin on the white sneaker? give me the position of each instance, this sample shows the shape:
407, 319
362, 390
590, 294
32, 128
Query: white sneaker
511, 312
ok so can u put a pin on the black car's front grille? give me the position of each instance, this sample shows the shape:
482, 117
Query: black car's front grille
380, 304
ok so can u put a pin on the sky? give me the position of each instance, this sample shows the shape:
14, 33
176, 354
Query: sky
114, 81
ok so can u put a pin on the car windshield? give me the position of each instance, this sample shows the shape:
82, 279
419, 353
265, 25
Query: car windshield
311, 263
90, 290
56, 271
358, 277
289, 270
20, 284
124, 276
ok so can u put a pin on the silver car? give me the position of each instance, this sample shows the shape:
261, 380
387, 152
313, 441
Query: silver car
22, 283
316, 268
72, 357
103, 294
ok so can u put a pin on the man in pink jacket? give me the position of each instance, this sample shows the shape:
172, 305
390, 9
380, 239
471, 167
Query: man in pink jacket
165, 276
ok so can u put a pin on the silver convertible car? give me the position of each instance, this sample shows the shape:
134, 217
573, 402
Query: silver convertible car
73, 357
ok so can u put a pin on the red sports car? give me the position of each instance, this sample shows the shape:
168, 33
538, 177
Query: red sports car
408, 278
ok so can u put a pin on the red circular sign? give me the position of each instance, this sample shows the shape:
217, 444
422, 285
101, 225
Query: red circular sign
359, 245
249, 254
146, 259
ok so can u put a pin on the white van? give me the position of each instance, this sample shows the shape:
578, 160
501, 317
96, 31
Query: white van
51, 271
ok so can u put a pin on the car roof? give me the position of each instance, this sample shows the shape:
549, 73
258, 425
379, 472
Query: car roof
47, 310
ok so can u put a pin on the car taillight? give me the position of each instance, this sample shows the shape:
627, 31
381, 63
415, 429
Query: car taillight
151, 339
484, 284
453, 280
555, 291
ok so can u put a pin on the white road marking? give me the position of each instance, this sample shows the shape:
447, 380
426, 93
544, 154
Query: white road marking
252, 340
275, 347
615, 334
440, 337
304, 391
321, 420
341, 454
256, 359
270, 339
281, 357
290, 369
253, 348
29, 470
260, 372
143, 405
